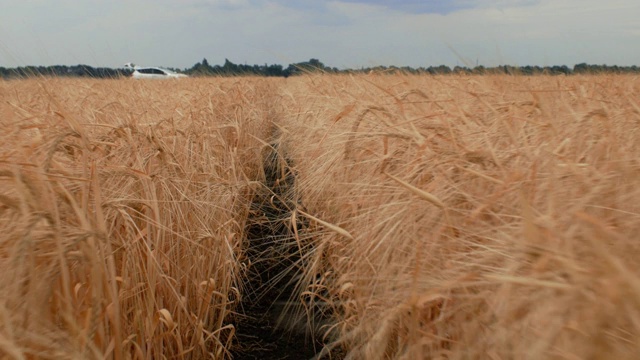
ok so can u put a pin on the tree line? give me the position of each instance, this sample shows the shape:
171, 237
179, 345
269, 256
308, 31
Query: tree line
61, 70
203, 68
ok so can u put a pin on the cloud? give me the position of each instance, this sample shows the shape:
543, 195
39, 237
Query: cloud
495, 4
413, 6
223, 4
345, 33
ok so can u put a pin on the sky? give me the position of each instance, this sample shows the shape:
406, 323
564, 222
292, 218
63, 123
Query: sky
342, 33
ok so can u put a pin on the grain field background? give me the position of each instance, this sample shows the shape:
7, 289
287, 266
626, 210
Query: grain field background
432, 217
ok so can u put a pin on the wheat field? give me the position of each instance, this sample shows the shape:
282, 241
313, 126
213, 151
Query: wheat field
435, 217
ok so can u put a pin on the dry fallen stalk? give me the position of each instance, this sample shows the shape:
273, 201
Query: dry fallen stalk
421, 193
332, 227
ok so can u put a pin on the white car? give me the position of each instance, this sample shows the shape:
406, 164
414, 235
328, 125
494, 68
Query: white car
152, 72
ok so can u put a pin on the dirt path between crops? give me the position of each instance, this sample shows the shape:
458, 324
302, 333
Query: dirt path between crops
273, 255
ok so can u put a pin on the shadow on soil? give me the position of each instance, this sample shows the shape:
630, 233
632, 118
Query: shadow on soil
264, 332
